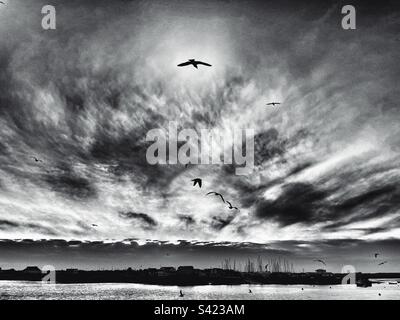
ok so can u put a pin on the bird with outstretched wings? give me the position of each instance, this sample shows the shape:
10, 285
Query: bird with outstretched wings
194, 63
273, 104
197, 181
36, 159
216, 194
230, 206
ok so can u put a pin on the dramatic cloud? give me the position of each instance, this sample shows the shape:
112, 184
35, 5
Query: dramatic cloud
142, 217
297, 202
187, 219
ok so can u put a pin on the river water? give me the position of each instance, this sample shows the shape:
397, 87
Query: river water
128, 291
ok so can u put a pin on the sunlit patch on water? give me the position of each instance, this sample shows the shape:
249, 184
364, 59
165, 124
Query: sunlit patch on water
35, 290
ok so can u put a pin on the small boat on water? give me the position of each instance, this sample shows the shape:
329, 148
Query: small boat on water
363, 283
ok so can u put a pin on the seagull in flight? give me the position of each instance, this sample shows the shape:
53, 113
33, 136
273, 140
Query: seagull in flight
318, 260
382, 263
36, 159
197, 181
230, 206
273, 104
94, 225
194, 63
376, 255
216, 194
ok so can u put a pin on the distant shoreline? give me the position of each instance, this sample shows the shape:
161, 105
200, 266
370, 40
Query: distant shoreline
188, 276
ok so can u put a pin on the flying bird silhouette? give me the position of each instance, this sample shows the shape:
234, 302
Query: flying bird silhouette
94, 225
376, 255
194, 63
197, 181
318, 260
382, 263
36, 159
230, 206
216, 194
273, 104
181, 294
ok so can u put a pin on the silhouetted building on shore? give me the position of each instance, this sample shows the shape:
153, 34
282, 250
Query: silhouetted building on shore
73, 271
32, 270
166, 271
186, 269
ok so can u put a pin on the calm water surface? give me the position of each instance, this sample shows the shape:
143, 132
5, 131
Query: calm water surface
128, 291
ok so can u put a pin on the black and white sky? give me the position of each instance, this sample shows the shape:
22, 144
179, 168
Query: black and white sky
83, 97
